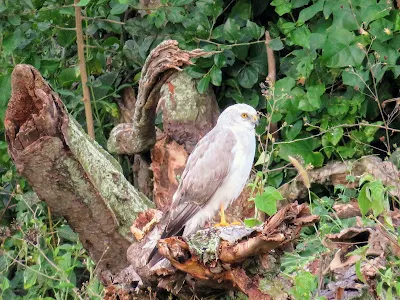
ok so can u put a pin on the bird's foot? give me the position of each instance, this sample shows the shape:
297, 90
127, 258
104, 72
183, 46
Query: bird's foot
223, 221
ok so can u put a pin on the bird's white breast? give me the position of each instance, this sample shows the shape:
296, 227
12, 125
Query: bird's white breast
234, 182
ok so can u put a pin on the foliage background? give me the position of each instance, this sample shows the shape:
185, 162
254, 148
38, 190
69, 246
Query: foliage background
337, 61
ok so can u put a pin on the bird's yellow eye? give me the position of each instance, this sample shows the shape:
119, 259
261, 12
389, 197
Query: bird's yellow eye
244, 115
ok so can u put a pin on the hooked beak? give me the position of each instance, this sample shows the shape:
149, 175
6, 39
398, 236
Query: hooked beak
255, 120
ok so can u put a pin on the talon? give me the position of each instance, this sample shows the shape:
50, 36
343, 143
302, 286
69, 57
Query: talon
222, 222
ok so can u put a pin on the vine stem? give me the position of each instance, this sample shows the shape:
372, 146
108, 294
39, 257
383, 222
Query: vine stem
82, 67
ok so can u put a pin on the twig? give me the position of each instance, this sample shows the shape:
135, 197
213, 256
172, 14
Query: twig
53, 240
271, 78
82, 67
6, 207
103, 20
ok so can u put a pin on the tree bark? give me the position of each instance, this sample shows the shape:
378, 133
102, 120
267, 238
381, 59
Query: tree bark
70, 172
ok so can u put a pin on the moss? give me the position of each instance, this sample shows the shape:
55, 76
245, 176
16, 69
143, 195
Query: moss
105, 173
205, 244
178, 107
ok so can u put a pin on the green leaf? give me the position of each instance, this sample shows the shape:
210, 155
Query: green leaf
195, 71
30, 276
359, 274
216, 76
68, 76
11, 42
312, 99
252, 222
356, 78
309, 12
267, 201
282, 6
377, 197
231, 30
242, 10
180, 2
304, 149
364, 201
14, 20
248, 77
220, 60
176, 14
5, 284
202, 85
301, 36
119, 8
254, 30
276, 44
332, 137
340, 50
292, 131
83, 3
263, 158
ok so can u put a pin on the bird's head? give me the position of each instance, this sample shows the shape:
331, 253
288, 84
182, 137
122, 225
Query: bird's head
241, 115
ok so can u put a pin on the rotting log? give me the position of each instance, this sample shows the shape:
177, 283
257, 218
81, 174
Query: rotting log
139, 135
217, 255
70, 172
336, 173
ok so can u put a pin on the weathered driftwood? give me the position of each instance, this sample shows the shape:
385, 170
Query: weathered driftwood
69, 171
336, 172
139, 135
216, 254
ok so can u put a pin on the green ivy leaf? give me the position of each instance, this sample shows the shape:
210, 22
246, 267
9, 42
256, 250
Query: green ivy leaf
312, 99
340, 50
216, 76
231, 30
276, 44
309, 12
268, 200
301, 36
195, 71
356, 78
202, 85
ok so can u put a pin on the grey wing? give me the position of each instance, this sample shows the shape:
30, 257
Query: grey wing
206, 169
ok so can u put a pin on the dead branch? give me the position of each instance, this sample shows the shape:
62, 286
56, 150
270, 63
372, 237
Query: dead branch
139, 136
336, 172
69, 171
216, 254
82, 67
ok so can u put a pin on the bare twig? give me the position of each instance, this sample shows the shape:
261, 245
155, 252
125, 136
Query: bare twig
271, 78
103, 20
82, 67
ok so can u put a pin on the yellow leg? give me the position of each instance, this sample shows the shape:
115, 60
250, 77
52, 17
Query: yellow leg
223, 220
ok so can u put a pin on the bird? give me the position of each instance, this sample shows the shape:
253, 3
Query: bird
215, 174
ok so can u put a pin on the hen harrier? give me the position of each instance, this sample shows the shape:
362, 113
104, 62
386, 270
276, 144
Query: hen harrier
215, 173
